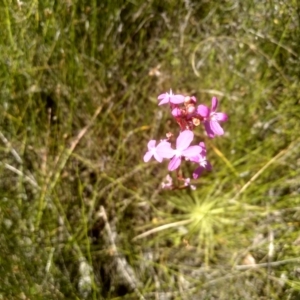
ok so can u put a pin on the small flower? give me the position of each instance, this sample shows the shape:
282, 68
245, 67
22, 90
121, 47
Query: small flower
157, 152
167, 184
204, 164
183, 148
170, 98
152, 152
201, 159
212, 118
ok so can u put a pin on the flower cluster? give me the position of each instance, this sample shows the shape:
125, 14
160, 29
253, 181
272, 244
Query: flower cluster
188, 116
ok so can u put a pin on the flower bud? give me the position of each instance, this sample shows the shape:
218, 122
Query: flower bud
190, 109
169, 135
196, 121
176, 112
187, 100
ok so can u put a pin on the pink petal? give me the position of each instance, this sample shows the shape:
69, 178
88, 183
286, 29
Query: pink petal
208, 166
193, 98
195, 159
184, 139
164, 150
208, 129
197, 173
221, 117
151, 144
199, 158
162, 96
216, 128
203, 111
158, 157
174, 163
191, 151
177, 99
147, 156
203, 147
214, 103
176, 112
164, 101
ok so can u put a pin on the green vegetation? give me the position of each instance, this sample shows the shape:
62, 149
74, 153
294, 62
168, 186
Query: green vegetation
82, 216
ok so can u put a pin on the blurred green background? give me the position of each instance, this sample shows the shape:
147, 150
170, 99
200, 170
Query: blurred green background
82, 216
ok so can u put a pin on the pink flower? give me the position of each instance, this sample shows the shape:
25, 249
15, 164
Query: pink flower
158, 152
212, 118
167, 184
201, 159
183, 148
204, 164
170, 98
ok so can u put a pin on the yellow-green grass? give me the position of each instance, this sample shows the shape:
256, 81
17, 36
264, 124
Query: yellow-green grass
79, 81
